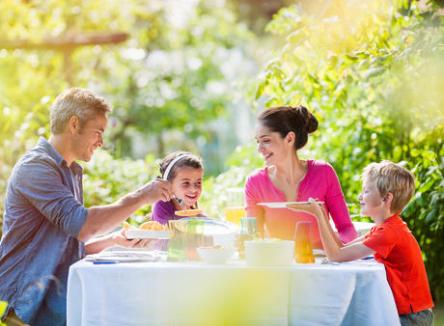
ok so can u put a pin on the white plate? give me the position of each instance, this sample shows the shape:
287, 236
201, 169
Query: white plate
147, 234
284, 204
123, 256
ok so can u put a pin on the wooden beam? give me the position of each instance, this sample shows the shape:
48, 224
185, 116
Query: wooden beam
66, 42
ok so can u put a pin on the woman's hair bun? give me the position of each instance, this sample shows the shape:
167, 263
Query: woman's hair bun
311, 123
285, 119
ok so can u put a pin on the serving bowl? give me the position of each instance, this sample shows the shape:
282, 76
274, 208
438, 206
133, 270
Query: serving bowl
269, 252
215, 254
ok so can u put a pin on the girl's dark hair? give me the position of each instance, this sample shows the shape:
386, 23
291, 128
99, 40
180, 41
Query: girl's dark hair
284, 119
186, 160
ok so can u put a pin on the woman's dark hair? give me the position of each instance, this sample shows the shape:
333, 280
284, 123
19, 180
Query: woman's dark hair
284, 119
186, 159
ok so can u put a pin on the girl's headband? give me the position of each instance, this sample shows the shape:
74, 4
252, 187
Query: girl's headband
170, 166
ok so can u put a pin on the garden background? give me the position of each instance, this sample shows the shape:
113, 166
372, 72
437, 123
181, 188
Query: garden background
192, 75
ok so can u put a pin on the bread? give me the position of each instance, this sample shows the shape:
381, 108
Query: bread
188, 212
152, 226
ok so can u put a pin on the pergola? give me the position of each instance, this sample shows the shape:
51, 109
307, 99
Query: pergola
66, 44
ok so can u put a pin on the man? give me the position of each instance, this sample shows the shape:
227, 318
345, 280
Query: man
46, 225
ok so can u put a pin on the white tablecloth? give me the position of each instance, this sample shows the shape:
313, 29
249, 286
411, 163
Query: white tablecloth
164, 293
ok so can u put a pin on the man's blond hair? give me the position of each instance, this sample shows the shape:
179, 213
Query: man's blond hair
393, 178
75, 102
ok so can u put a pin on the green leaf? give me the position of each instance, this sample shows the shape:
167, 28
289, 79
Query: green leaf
3, 307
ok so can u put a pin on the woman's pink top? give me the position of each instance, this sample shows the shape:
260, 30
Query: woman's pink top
320, 182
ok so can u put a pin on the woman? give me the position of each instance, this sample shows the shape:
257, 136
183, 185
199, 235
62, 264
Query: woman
281, 132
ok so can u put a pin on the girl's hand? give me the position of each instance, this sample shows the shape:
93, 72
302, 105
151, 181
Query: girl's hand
312, 207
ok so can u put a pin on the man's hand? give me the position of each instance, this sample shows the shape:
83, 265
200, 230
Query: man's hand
119, 238
157, 190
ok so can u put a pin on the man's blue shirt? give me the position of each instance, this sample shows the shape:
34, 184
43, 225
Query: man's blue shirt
43, 215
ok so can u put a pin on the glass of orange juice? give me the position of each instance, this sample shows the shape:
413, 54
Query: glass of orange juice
235, 210
234, 214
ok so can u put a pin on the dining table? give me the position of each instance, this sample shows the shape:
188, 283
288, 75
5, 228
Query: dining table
162, 292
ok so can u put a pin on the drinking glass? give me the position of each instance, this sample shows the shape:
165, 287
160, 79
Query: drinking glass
303, 247
177, 242
235, 209
248, 231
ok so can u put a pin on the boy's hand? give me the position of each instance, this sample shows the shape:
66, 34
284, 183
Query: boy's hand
312, 207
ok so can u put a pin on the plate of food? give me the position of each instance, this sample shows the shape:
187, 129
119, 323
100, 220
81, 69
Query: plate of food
147, 230
188, 212
287, 204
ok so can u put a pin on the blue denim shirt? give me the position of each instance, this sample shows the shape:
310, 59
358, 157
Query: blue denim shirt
44, 213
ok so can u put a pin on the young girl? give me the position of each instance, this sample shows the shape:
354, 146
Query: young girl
185, 171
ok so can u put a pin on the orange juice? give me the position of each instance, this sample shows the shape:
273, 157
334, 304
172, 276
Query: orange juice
234, 214
303, 248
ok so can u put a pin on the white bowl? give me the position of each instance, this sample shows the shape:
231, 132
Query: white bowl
269, 252
215, 255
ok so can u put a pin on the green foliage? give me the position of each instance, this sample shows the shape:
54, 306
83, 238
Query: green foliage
215, 196
373, 74
29, 81
3, 307
176, 80
178, 71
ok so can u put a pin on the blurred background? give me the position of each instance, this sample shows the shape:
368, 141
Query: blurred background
193, 74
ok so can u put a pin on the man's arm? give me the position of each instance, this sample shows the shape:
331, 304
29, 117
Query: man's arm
102, 219
114, 239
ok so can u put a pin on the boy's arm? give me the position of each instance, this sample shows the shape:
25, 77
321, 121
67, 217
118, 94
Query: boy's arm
334, 250
308, 209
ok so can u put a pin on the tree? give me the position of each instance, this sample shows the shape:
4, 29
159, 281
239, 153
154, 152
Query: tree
373, 73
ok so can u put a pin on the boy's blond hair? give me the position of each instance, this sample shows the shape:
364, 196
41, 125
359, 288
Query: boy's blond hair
393, 178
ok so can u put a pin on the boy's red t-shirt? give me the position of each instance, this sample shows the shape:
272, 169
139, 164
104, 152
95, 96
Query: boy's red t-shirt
398, 250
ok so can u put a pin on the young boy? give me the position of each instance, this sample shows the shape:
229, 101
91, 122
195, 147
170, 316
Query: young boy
387, 188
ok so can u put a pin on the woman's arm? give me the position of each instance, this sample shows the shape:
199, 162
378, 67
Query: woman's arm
336, 206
